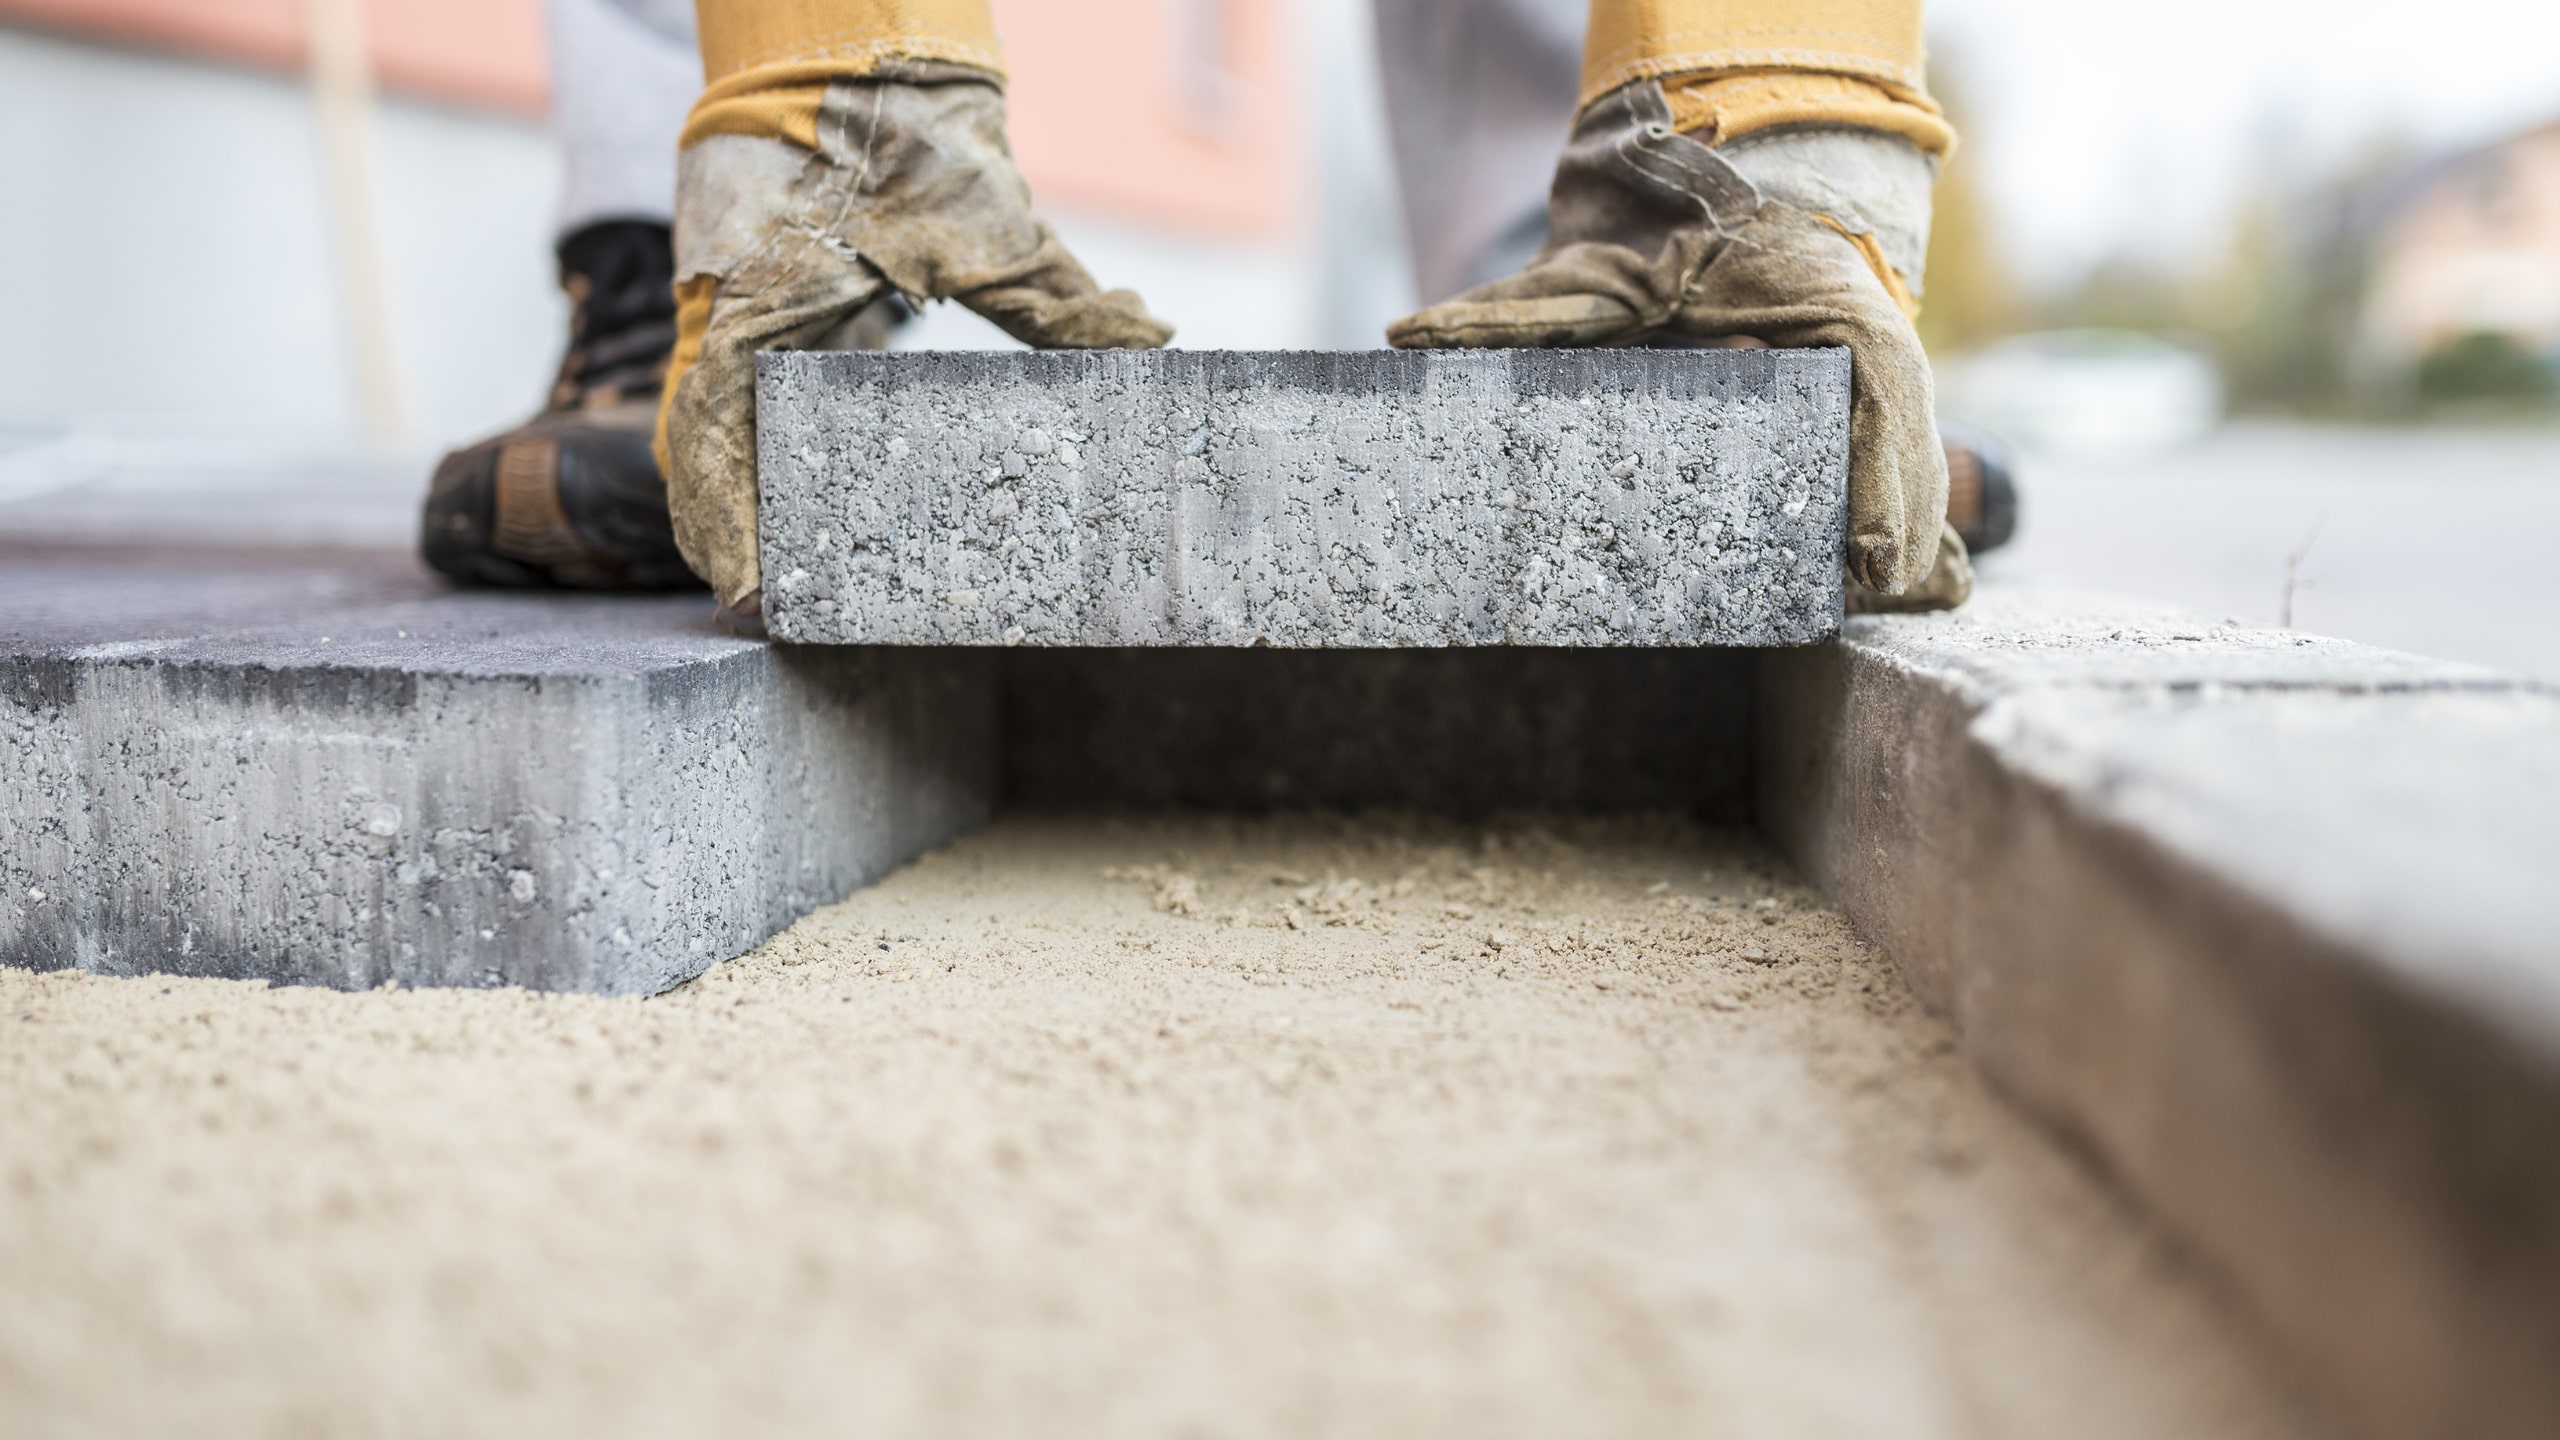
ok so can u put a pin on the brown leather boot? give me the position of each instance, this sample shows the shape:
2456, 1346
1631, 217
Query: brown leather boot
1982, 488
573, 497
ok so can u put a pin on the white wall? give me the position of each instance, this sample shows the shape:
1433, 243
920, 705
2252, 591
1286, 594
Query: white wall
1367, 274
173, 274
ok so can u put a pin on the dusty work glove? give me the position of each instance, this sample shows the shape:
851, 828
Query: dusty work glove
868, 159
1791, 236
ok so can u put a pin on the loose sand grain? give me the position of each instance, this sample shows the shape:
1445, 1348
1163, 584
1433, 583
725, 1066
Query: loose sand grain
1202, 1127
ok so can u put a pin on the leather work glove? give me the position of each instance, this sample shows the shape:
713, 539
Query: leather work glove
844, 151
1804, 224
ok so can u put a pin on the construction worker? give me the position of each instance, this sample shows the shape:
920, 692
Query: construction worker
1736, 172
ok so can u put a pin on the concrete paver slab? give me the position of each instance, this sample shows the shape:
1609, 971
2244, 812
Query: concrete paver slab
330, 769
1304, 499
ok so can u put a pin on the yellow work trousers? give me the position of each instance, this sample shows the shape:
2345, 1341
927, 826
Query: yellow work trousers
1728, 67
766, 63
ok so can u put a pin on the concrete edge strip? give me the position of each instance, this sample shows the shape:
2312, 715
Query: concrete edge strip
2347, 1121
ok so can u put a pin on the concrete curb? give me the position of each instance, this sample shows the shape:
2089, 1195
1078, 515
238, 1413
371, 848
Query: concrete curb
1304, 499
2265, 922
409, 784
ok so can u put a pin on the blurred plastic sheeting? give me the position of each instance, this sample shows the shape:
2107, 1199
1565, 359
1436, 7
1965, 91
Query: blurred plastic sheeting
2084, 391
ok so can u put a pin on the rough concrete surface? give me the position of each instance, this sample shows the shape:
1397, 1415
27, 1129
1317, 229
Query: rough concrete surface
326, 768
1304, 499
2265, 920
1149, 1128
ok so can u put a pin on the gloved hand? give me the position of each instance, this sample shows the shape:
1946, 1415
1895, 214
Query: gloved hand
1791, 236
844, 150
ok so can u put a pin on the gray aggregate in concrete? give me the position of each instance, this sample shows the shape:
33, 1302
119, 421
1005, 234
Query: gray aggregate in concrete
2264, 920
328, 769
1304, 499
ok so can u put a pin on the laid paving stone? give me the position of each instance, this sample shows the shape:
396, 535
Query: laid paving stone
328, 768
1304, 499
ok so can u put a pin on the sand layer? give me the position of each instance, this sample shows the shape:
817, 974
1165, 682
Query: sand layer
1196, 1127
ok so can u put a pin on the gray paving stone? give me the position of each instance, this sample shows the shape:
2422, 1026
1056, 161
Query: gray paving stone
329, 769
1304, 499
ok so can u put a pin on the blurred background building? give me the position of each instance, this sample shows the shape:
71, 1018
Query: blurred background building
2464, 295
205, 268
174, 216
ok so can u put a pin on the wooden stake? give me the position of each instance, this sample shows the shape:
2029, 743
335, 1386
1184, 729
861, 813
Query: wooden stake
342, 99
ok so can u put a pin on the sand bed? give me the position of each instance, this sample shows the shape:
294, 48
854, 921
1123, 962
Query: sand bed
1213, 1127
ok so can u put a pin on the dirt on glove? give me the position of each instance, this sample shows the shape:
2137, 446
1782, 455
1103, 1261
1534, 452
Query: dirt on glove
1211, 1127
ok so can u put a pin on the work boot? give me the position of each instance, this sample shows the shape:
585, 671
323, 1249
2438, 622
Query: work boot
573, 497
839, 157
1982, 488
1982, 513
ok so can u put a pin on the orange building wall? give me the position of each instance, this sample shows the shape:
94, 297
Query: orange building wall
1110, 115
2479, 249
1175, 113
477, 52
